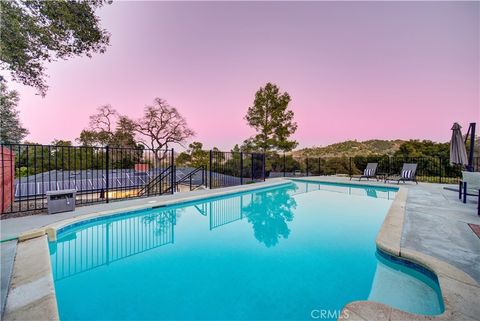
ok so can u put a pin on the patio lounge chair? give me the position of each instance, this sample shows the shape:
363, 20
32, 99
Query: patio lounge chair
408, 173
469, 185
369, 172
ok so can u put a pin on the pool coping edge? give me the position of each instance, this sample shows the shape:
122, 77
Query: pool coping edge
31, 294
459, 290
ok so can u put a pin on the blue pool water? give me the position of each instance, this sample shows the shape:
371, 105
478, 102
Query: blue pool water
283, 253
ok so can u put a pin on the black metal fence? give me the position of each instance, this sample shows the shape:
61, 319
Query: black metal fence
102, 174
235, 168
430, 169
98, 174
190, 178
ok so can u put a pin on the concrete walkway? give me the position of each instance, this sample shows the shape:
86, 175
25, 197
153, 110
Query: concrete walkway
7, 250
436, 224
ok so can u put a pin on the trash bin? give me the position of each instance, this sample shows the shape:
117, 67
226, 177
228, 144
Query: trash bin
61, 201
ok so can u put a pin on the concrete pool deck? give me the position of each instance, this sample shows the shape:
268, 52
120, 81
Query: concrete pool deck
434, 223
437, 224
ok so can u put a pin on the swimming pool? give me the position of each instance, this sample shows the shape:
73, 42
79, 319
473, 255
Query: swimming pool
281, 253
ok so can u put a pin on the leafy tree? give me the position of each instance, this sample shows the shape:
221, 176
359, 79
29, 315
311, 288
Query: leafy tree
60, 142
417, 148
66, 158
37, 31
248, 146
33, 158
125, 133
198, 156
194, 156
353, 148
11, 129
242, 162
271, 119
26, 156
183, 159
90, 138
235, 149
336, 165
279, 163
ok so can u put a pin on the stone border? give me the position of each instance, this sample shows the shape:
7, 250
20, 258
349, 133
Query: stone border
32, 293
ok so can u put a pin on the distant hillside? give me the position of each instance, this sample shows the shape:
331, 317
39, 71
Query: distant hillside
353, 148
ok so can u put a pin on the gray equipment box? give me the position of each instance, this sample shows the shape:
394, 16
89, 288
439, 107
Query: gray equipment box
61, 200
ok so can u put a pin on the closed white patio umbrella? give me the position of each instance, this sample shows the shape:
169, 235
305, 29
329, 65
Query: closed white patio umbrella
458, 152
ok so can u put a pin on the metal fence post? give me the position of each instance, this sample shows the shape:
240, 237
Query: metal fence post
471, 130
210, 169
284, 165
251, 165
174, 172
241, 168
441, 166
350, 167
263, 167
107, 158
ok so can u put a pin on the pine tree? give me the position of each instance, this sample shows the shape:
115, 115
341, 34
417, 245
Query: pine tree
272, 121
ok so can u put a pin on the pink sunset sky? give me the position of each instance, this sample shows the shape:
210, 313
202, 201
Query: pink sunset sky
355, 70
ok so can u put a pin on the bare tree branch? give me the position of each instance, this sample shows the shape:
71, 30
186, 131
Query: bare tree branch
160, 126
102, 121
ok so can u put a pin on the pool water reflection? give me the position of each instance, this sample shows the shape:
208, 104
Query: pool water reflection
269, 254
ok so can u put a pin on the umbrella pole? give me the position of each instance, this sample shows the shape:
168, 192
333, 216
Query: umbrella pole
471, 131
